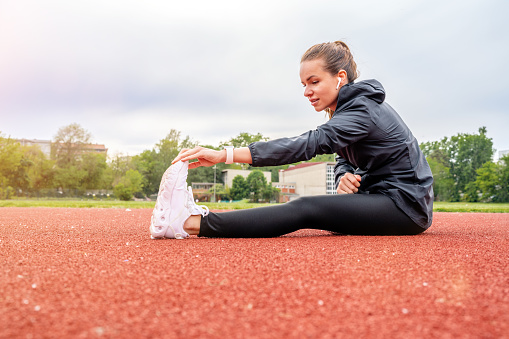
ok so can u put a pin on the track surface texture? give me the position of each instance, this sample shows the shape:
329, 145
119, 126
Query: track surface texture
91, 273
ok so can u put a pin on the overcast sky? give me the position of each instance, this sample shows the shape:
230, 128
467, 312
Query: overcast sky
130, 71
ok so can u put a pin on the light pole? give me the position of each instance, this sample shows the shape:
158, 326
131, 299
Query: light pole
214, 183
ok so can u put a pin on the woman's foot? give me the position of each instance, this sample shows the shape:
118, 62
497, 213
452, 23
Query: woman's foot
174, 205
192, 225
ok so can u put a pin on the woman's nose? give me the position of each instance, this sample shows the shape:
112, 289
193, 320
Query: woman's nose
307, 92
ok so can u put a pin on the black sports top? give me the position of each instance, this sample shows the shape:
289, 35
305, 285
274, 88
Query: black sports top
370, 139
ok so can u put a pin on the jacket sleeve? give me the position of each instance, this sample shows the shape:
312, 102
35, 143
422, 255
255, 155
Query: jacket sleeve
345, 128
342, 167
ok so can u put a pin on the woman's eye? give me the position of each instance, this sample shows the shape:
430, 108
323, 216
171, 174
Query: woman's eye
312, 83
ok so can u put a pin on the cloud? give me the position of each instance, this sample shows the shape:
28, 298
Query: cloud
130, 71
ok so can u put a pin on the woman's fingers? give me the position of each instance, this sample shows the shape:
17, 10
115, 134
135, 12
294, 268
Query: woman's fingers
349, 183
183, 150
344, 188
340, 191
191, 155
194, 164
204, 156
186, 154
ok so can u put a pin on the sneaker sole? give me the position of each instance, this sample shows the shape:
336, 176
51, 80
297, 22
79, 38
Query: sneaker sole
172, 174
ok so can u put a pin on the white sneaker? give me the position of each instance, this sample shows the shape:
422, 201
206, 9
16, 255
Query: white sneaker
174, 205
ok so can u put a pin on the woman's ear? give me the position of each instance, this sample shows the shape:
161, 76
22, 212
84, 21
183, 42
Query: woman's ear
342, 78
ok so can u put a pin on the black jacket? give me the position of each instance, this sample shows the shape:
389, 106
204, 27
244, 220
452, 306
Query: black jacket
370, 139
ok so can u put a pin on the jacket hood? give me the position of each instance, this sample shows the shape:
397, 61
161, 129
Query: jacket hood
371, 89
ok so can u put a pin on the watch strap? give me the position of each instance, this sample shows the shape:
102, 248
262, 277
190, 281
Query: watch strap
229, 154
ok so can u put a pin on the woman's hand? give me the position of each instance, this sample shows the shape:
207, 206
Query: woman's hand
349, 183
205, 156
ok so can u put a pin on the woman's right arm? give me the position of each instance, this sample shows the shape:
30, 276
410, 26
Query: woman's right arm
209, 157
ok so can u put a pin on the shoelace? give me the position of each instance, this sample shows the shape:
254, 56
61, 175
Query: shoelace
191, 205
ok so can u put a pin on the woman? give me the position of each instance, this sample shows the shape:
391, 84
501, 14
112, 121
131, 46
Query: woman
383, 181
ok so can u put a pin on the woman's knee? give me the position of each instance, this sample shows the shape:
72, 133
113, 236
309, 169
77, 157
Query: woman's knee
305, 207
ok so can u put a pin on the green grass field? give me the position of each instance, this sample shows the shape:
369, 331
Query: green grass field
438, 206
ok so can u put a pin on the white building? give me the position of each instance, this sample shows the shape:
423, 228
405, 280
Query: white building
44, 145
310, 178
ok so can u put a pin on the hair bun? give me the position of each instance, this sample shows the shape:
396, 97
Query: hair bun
342, 44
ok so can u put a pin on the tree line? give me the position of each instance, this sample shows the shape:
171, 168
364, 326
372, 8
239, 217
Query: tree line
71, 170
462, 167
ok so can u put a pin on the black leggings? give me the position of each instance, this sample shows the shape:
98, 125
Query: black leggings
354, 214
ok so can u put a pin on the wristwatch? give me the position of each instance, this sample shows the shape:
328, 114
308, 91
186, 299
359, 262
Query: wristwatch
229, 154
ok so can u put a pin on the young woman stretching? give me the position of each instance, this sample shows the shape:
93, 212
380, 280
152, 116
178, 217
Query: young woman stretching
383, 181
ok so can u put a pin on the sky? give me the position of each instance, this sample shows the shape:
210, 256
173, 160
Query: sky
130, 71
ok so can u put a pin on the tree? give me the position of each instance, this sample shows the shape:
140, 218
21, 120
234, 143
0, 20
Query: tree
240, 188
502, 192
470, 152
94, 166
120, 164
117, 166
463, 154
442, 181
69, 178
470, 192
153, 163
244, 139
493, 181
221, 192
10, 162
130, 184
42, 171
76, 169
169, 147
270, 193
323, 158
256, 182
23, 168
145, 164
19, 178
68, 143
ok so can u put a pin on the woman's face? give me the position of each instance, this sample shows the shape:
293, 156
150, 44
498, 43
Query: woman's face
319, 85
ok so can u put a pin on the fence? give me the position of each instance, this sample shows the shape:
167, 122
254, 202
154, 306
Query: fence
59, 193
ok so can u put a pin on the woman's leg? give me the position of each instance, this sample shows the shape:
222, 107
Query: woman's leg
355, 214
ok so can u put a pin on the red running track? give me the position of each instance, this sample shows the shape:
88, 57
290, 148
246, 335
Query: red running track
90, 273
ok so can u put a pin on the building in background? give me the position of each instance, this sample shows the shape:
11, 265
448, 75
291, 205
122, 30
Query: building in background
94, 148
201, 190
306, 179
76, 150
44, 145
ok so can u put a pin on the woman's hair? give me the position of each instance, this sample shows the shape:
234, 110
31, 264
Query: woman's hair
336, 55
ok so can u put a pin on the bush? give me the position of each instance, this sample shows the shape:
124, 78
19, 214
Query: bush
130, 184
122, 192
